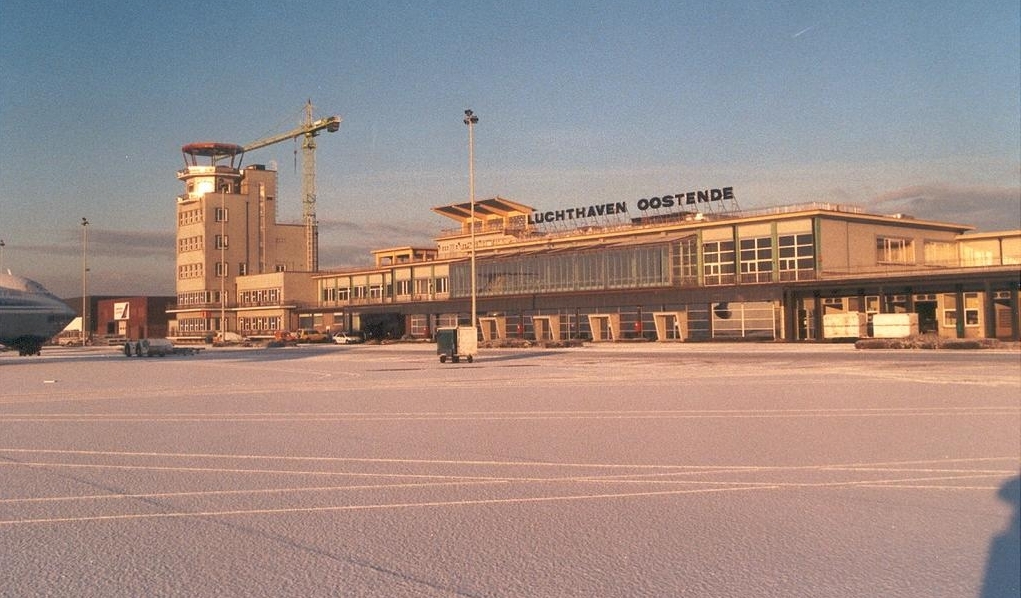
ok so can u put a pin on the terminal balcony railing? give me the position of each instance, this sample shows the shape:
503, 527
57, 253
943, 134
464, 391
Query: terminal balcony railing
235, 305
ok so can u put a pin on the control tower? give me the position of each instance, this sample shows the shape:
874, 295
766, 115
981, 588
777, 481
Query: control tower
226, 228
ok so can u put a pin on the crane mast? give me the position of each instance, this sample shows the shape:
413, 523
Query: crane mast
308, 130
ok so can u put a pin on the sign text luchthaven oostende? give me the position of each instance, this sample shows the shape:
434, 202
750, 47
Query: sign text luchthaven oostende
690, 198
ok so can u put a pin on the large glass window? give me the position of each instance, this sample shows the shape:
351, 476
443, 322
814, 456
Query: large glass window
891, 250
651, 266
797, 256
419, 325
972, 256
618, 270
757, 260
570, 271
718, 262
685, 261
972, 305
588, 271
940, 253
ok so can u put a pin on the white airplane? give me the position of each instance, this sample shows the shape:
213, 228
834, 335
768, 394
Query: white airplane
29, 314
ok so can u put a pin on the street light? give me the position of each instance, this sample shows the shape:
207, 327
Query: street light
85, 280
2, 245
470, 119
223, 266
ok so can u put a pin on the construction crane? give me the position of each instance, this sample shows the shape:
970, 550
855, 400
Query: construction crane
308, 130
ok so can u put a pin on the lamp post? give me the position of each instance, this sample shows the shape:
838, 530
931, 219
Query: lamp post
2, 245
85, 279
223, 266
470, 119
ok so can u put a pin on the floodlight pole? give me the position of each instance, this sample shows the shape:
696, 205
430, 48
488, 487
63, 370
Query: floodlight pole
470, 119
85, 278
223, 266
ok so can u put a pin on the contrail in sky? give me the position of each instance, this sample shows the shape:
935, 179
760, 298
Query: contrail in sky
805, 30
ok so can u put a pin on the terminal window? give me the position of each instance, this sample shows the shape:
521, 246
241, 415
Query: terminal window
757, 260
189, 217
972, 305
569, 271
796, 256
423, 286
718, 262
189, 271
685, 262
891, 250
940, 253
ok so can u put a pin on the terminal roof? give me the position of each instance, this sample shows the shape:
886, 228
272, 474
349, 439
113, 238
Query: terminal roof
495, 206
212, 148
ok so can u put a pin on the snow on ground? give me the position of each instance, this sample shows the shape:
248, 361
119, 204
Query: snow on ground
612, 470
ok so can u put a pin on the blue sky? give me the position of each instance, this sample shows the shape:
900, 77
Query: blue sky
896, 106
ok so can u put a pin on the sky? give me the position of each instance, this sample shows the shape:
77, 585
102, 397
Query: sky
898, 107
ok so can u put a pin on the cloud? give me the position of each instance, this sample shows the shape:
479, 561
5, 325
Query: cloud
985, 208
134, 243
111, 243
388, 232
345, 243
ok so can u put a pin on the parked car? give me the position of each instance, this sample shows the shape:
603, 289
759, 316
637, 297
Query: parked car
348, 338
283, 338
308, 335
229, 338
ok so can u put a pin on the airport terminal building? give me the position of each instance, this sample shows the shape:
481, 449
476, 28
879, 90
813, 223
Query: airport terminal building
685, 267
683, 275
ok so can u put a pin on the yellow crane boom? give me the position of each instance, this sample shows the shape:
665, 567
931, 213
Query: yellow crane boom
308, 130
330, 124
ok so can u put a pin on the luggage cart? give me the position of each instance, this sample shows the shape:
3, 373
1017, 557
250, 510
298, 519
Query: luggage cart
457, 342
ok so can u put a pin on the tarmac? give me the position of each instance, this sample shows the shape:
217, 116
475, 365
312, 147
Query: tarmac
652, 469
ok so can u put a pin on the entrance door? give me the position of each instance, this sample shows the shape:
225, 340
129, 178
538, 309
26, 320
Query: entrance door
927, 321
